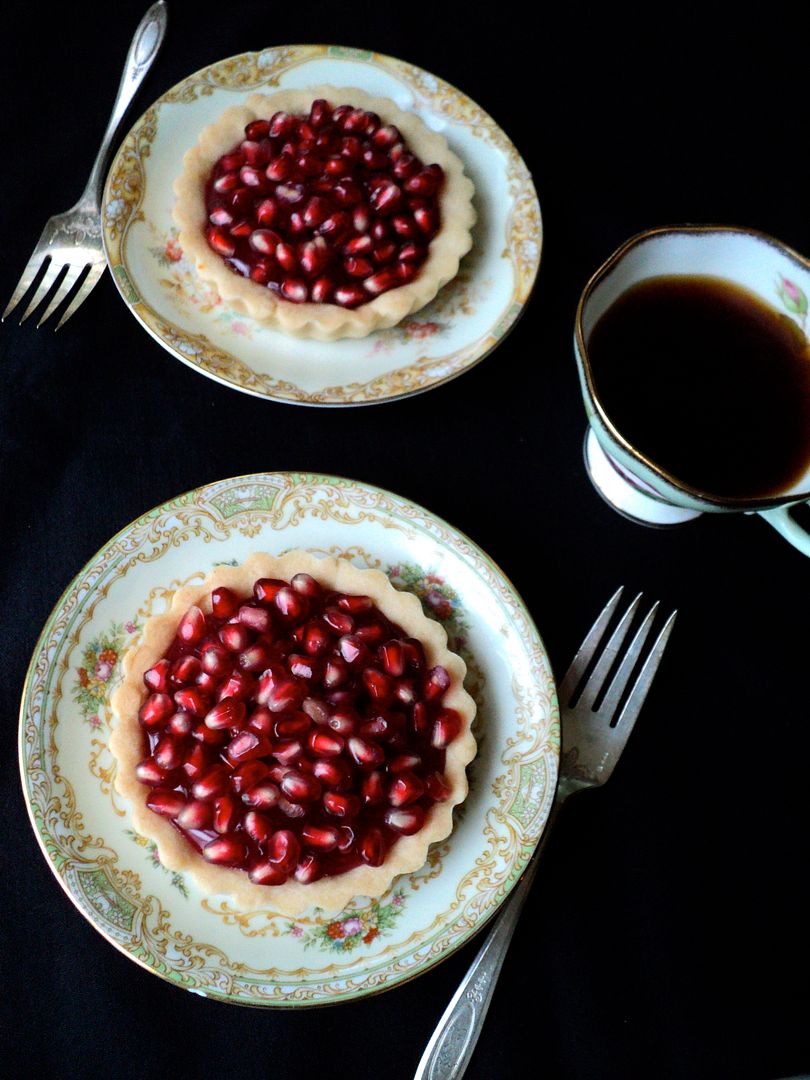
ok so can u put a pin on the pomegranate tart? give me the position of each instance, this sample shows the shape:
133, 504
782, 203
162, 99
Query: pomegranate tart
293, 732
326, 212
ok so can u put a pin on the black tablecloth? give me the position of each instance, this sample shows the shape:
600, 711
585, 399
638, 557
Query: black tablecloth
666, 935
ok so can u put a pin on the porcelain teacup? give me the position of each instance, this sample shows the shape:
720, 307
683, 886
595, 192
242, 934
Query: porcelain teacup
625, 477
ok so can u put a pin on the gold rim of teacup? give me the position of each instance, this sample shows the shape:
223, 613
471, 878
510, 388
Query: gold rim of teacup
602, 272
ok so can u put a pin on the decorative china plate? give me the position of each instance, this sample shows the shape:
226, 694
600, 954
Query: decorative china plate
259, 957
460, 327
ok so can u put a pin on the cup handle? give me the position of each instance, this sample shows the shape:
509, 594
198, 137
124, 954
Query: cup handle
792, 531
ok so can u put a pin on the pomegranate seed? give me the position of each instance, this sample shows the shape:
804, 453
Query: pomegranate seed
224, 603
404, 226
288, 751
170, 752
372, 847
192, 700
445, 728
231, 162
405, 789
437, 787
357, 267
340, 621
406, 165
257, 129
350, 149
406, 820
227, 850
222, 185
360, 245
227, 813
335, 673
196, 815
320, 113
219, 239
380, 282
385, 137
313, 255
308, 870
209, 736
341, 806
234, 636
150, 773
249, 775
192, 626
349, 295
323, 744
347, 192
281, 125
198, 762
315, 709
284, 850
238, 685
373, 790
265, 589
215, 660
292, 810
255, 657
426, 220
378, 684
262, 796
436, 684
380, 230
385, 253
289, 727
294, 290
215, 781
263, 872
257, 826
361, 218
386, 198
298, 787
157, 677
165, 802
290, 193
352, 650
156, 709
392, 656
322, 290
255, 618
365, 753
246, 746
322, 838
241, 229
316, 638
333, 773
376, 728
227, 713
346, 838
343, 720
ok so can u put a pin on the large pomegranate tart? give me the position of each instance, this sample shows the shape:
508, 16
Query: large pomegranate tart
325, 212
293, 732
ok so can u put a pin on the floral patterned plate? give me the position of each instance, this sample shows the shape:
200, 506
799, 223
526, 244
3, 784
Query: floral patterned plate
460, 327
160, 919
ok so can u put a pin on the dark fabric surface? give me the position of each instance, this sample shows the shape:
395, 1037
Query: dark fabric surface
666, 935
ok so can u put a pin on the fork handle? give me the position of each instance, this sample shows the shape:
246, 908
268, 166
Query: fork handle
142, 52
451, 1046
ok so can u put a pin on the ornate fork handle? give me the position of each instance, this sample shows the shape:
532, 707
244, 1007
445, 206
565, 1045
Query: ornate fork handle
142, 52
448, 1053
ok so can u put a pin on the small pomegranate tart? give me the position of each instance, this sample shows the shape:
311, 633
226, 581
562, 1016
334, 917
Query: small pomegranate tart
293, 732
325, 213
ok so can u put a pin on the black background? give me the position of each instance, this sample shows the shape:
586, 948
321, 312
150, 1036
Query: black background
666, 935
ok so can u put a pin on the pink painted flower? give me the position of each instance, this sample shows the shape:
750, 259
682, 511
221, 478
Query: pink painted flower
442, 608
398, 900
422, 330
130, 627
103, 670
434, 579
352, 926
240, 328
95, 721
173, 251
394, 572
297, 931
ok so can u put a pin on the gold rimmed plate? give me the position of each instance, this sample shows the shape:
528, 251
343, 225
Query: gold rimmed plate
159, 918
465, 322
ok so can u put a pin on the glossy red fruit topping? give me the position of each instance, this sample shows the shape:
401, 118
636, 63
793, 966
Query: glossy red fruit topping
295, 733
327, 208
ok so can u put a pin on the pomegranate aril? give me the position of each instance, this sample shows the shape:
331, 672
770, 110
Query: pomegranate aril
192, 626
215, 781
227, 850
256, 657
406, 165
316, 710
380, 282
371, 847
352, 650
324, 744
320, 113
165, 802
290, 193
364, 752
313, 255
346, 838
340, 621
224, 603
265, 589
379, 686
316, 638
375, 728
404, 761
284, 850
436, 684
437, 787
445, 728
196, 815
241, 229
239, 684
323, 838
294, 290
227, 813
234, 636
222, 185
215, 660
386, 136
360, 245
170, 752
343, 720
361, 218
192, 700
288, 751
335, 673
198, 761
263, 872
232, 162
290, 727
420, 717
228, 713
150, 773
341, 806
300, 787
334, 773
392, 657
308, 870
347, 192
249, 775
322, 290
258, 826
405, 789
246, 746
157, 677
349, 295
257, 129
406, 820
426, 220
293, 810
262, 796
155, 710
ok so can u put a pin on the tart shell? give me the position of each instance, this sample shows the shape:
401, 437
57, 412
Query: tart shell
325, 322
331, 894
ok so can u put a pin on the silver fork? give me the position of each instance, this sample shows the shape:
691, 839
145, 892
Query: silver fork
592, 742
70, 243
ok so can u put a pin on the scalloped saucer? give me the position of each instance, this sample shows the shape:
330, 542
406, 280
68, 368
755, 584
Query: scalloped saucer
160, 919
465, 322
